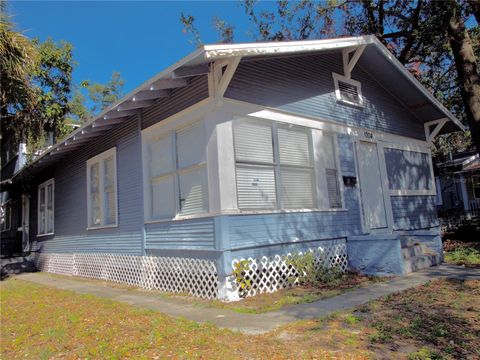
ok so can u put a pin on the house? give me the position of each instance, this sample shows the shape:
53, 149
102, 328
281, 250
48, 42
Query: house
242, 151
458, 184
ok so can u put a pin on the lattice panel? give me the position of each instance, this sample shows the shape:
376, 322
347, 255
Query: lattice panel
269, 274
193, 276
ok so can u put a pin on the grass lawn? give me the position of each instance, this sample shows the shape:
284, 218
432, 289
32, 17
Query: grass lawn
438, 320
462, 253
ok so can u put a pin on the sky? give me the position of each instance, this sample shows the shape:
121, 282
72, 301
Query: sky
138, 39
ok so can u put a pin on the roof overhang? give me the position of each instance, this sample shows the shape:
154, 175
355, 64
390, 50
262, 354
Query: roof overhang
197, 63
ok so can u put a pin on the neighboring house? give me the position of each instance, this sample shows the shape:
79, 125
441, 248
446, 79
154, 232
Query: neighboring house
458, 184
244, 151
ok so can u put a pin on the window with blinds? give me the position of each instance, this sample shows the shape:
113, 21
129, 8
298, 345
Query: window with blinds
347, 90
177, 173
45, 207
274, 166
102, 190
329, 164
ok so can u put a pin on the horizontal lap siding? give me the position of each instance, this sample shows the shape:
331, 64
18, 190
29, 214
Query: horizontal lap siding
180, 99
182, 234
304, 85
71, 234
414, 212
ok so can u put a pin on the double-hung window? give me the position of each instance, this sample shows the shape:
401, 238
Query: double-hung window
274, 165
102, 190
177, 174
46, 196
329, 167
5, 216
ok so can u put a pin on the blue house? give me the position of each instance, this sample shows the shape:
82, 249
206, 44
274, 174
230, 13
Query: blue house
240, 151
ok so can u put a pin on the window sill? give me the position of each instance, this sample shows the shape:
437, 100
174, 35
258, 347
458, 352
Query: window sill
412, 192
102, 227
242, 212
346, 102
46, 234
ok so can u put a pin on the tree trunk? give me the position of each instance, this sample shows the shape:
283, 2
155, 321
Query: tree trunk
468, 78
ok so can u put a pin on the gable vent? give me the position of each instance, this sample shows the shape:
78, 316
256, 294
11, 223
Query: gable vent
347, 90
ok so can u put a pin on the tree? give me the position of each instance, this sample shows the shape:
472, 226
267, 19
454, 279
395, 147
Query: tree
90, 99
430, 38
18, 57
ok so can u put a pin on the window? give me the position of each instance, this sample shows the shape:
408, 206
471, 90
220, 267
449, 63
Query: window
102, 190
476, 188
409, 172
6, 216
329, 163
347, 90
274, 166
46, 195
177, 174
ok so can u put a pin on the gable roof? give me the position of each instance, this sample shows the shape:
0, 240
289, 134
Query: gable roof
376, 58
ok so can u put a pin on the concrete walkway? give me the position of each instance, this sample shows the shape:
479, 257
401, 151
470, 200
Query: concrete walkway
254, 323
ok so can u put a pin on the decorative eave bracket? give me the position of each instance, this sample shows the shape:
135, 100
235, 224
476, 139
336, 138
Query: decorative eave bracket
221, 74
431, 133
349, 62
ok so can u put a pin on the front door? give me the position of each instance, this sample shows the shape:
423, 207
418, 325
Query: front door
25, 223
375, 210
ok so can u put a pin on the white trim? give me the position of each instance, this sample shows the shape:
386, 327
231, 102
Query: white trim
98, 159
45, 185
175, 123
242, 108
430, 134
412, 192
9, 201
221, 79
349, 64
243, 212
347, 80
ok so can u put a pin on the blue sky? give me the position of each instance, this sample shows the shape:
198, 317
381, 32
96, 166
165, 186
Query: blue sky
138, 39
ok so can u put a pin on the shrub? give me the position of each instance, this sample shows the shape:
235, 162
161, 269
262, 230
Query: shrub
240, 272
310, 273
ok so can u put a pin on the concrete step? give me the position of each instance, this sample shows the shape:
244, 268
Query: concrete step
408, 241
16, 265
420, 262
412, 251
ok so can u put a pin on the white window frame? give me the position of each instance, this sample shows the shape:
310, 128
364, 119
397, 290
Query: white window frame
4, 205
94, 160
45, 185
338, 94
152, 135
316, 191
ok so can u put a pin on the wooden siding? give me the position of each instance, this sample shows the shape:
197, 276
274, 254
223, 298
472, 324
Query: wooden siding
180, 99
304, 85
181, 234
71, 234
414, 212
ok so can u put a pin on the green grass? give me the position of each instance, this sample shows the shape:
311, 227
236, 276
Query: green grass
467, 256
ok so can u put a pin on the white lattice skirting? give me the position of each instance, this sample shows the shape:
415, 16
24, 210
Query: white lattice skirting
182, 275
269, 274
